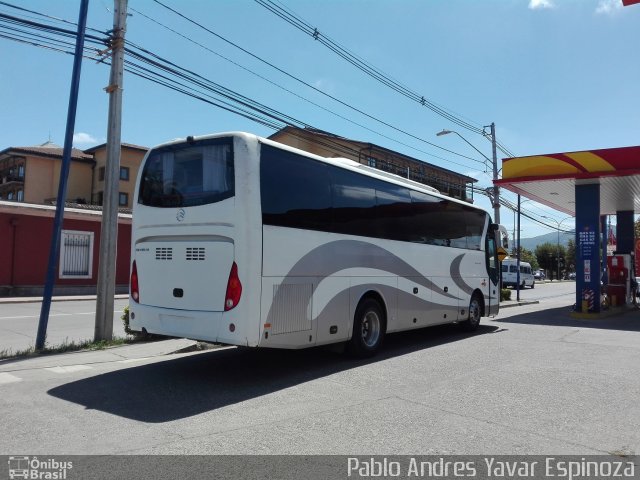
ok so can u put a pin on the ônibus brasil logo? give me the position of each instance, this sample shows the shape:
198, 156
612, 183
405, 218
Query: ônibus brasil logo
34, 468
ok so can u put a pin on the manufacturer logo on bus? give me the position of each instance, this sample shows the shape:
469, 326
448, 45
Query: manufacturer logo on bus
180, 215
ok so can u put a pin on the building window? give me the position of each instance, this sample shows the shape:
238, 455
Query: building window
123, 199
124, 173
76, 254
101, 174
10, 196
20, 195
371, 162
21, 171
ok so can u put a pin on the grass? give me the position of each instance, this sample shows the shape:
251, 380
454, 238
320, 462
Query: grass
68, 346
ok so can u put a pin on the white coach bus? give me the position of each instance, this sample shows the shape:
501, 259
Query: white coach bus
244, 241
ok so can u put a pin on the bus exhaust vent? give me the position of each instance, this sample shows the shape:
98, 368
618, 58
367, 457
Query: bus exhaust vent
164, 253
195, 253
291, 309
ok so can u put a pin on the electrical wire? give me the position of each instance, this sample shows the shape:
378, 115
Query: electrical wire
308, 85
238, 104
295, 20
271, 82
291, 18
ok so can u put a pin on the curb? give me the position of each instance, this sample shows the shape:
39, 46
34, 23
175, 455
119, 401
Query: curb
519, 304
610, 312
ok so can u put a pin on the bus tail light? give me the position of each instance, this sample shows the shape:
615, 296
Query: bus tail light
135, 291
234, 289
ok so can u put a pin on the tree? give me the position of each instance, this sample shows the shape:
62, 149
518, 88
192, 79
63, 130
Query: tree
547, 255
570, 257
527, 256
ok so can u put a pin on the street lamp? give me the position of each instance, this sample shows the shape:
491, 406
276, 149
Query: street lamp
494, 162
558, 223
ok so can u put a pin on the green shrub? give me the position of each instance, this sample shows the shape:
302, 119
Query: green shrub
505, 294
127, 328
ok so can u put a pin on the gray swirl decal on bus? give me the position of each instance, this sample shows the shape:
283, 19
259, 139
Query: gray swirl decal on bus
333, 257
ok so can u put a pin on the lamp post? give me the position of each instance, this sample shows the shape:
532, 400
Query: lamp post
494, 162
558, 224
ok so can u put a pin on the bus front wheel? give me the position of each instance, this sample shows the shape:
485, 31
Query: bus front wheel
368, 329
475, 313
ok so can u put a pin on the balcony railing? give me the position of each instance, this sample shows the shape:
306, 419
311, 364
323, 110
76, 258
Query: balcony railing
6, 179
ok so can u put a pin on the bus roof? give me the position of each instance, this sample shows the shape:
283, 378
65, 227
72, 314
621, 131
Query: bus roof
345, 163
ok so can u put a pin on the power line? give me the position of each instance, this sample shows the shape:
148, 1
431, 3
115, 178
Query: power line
235, 103
291, 18
295, 20
293, 77
297, 95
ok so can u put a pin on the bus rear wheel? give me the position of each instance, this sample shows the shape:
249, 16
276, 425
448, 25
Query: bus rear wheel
368, 329
475, 313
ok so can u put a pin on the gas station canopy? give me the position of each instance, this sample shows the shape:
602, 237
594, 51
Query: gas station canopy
551, 179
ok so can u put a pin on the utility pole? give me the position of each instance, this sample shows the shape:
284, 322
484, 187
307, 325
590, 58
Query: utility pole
109, 230
496, 189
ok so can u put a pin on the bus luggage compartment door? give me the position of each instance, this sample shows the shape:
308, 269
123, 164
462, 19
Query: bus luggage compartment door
287, 307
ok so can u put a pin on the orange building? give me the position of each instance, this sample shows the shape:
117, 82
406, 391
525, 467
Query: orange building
32, 174
130, 159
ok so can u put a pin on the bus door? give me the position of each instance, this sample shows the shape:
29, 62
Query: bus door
492, 294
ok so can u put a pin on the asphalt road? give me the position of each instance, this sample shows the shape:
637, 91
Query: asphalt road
68, 321
532, 381
547, 290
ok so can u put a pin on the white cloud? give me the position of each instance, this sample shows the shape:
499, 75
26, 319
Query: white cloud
84, 139
608, 7
538, 4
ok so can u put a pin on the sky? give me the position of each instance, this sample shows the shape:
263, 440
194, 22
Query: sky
554, 76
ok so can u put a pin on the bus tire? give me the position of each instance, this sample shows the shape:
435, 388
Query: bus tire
368, 329
475, 313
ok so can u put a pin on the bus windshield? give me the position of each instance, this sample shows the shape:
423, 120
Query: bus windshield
188, 175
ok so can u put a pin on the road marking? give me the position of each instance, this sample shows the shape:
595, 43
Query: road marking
51, 315
8, 378
68, 369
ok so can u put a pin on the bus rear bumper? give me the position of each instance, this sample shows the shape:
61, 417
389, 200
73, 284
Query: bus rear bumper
193, 324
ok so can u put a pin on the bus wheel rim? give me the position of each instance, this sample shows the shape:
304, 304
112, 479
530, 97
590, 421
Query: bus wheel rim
370, 329
474, 311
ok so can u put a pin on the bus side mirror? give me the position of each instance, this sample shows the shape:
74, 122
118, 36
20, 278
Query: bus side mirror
496, 227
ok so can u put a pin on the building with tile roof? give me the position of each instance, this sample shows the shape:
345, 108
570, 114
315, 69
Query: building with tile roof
32, 174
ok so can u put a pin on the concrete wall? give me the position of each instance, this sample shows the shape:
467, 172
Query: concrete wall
25, 237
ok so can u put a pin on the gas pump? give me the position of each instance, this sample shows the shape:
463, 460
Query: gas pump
619, 269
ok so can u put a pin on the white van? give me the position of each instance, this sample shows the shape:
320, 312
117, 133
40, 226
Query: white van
510, 274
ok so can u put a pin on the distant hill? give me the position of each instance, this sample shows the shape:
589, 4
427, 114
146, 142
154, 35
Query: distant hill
532, 243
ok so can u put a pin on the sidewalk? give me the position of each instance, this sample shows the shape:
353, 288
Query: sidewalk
124, 354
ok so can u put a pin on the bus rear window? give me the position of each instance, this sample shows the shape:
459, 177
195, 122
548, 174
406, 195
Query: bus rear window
188, 175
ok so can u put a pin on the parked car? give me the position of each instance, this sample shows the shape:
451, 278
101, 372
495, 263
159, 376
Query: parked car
539, 275
572, 276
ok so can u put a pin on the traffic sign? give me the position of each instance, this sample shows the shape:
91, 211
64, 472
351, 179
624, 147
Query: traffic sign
502, 254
